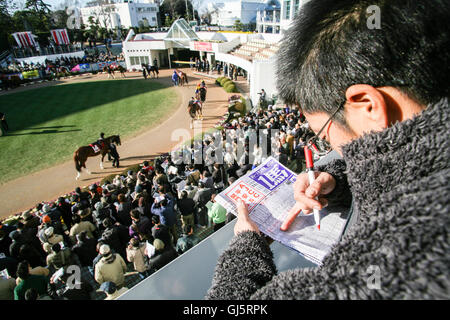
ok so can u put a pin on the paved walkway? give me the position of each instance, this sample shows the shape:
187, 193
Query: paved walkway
47, 185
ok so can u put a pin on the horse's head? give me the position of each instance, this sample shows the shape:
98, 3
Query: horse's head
116, 139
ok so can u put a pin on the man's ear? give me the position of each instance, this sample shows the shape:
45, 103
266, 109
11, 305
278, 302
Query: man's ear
366, 109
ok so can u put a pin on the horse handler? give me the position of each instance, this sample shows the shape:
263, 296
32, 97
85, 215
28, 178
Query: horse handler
4, 126
114, 154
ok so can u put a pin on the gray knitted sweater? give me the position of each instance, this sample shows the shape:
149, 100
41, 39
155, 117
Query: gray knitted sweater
398, 248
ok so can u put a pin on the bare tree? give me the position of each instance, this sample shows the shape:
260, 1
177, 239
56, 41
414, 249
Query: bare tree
103, 14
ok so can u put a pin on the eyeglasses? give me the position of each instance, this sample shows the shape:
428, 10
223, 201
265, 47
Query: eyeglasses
316, 137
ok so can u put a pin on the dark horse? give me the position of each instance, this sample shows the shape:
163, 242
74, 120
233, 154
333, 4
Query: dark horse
195, 110
80, 156
152, 70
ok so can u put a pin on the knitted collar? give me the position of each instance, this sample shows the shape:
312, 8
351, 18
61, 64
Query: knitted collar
380, 161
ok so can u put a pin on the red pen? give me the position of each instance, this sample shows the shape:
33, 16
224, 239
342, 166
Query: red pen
310, 171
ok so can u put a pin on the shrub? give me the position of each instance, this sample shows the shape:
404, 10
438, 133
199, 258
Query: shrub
218, 80
230, 87
224, 80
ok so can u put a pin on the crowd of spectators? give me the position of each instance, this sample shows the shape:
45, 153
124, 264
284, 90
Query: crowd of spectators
229, 70
107, 229
11, 76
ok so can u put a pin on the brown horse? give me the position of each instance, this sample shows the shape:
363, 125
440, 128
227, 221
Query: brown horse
122, 70
80, 156
183, 78
195, 111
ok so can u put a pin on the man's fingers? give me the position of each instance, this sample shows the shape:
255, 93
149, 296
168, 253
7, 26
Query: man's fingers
293, 213
323, 184
323, 201
242, 209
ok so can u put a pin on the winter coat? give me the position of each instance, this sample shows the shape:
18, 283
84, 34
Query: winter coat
86, 251
399, 181
60, 259
111, 268
54, 239
161, 258
80, 227
138, 257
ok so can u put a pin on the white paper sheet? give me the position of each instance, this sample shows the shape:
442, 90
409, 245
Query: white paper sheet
268, 192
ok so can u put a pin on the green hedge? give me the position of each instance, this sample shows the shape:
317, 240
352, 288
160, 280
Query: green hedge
224, 81
219, 79
230, 87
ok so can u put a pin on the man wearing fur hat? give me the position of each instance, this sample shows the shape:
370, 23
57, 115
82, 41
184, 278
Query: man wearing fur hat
379, 96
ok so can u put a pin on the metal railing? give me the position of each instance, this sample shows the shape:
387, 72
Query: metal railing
44, 51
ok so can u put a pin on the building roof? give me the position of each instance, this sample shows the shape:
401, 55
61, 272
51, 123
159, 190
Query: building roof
181, 31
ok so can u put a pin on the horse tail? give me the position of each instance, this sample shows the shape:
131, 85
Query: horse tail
186, 77
77, 161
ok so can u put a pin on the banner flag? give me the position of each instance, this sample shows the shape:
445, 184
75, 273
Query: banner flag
60, 36
24, 39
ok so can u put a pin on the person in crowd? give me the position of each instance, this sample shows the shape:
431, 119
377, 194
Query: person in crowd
80, 226
59, 257
187, 239
85, 249
187, 208
64, 207
38, 282
79, 290
163, 255
111, 267
51, 239
38, 271
136, 255
116, 236
160, 231
207, 179
7, 288
31, 254
193, 175
217, 214
201, 198
123, 210
387, 106
140, 227
111, 290
164, 209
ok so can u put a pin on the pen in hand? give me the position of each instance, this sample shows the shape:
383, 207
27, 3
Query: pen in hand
310, 171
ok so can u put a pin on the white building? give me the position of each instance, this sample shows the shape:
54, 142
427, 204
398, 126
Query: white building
277, 16
226, 13
124, 14
255, 53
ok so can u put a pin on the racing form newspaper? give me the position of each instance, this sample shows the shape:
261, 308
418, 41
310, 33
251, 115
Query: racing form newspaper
268, 192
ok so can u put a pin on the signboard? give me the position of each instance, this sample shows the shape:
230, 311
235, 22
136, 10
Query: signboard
33, 74
203, 46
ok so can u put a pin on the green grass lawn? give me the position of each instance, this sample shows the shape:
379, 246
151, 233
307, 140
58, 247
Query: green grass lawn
48, 124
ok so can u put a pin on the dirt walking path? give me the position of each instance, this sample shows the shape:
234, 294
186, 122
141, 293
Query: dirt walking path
47, 185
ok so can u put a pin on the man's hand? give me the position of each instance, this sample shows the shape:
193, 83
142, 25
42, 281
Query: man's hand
304, 195
244, 223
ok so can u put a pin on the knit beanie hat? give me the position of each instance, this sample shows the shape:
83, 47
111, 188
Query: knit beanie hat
158, 244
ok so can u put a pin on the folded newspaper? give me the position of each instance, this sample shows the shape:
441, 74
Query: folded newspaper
268, 192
